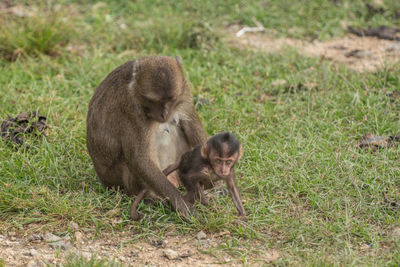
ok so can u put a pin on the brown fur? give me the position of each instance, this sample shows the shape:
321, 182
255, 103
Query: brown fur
211, 162
130, 139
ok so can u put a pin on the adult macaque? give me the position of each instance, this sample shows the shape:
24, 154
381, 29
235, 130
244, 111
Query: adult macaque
213, 161
141, 119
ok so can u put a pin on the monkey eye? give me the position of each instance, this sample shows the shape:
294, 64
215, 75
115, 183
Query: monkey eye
228, 162
218, 161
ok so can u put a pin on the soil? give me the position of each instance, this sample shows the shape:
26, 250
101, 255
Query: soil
42, 249
360, 53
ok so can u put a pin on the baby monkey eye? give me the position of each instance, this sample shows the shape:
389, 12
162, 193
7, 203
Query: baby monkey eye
218, 161
228, 162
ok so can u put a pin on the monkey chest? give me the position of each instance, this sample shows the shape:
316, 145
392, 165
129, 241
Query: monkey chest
169, 143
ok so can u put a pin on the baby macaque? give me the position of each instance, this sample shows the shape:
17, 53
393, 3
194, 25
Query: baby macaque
211, 162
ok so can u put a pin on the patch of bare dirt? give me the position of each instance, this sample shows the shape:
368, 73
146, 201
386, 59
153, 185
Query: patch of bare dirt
43, 249
358, 53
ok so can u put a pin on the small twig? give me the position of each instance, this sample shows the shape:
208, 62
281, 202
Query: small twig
245, 29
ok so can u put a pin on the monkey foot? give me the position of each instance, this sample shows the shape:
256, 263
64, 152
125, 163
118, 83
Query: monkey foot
136, 216
240, 221
204, 201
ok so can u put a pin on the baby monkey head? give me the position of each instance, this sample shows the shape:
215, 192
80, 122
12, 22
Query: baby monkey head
222, 150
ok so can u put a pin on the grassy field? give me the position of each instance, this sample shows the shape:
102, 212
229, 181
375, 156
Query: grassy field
309, 190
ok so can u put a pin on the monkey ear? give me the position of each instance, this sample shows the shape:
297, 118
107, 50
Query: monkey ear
136, 67
240, 152
204, 150
179, 60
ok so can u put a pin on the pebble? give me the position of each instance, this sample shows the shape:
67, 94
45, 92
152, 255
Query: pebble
204, 243
186, 254
201, 235
32, 252
159, 243
393, 47
31, 263
171, 254
74, 225
49, 237
35, 237
65, 245
58, 242
78, 237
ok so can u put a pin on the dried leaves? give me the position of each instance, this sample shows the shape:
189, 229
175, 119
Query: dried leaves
375, 142
382, 32
24, 123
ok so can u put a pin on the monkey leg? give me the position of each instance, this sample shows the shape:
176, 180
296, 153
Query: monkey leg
135, 215
196, 195
131, 183
200, 195
235, 195
190, 197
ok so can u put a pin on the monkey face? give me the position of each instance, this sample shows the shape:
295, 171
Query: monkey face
160, 85
222, 166
222, 150
160, 111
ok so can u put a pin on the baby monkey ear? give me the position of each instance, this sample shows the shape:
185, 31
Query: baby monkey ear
240, 152
204, 151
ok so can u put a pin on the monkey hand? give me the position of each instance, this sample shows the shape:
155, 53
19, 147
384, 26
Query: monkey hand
136, 216
184, 208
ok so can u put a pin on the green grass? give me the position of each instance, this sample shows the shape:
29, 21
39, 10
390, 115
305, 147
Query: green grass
81, 262
309, 191
34, 34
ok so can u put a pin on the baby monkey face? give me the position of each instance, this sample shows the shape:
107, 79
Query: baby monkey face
222, 165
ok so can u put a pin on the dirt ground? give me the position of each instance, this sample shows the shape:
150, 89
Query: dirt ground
39, 249
358, 53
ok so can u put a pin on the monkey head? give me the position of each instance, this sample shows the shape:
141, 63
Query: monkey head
160, 86
222, 152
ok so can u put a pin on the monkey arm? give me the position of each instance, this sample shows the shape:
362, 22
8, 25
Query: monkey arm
141, 165
235, 195
194, 189
193, 128
167, 171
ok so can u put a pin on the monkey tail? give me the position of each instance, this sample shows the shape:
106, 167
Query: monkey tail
167, 171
